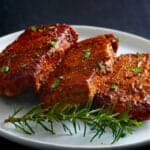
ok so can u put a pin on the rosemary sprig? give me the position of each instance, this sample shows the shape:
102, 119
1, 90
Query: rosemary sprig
98, 120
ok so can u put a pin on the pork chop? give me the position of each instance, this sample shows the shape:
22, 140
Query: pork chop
28, 61
72, 82
127, 86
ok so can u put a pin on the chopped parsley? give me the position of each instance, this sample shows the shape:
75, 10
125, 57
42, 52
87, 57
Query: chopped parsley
114, 87
137, 69
53, 43
4, 69
117, 39
55, 84
137, 54
33, 28
99, 66
87, 53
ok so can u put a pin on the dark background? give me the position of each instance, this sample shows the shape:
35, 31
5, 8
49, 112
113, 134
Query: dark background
126, 15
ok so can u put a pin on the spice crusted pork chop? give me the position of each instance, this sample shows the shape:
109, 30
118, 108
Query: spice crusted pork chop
128, 84
28, 61
72, 82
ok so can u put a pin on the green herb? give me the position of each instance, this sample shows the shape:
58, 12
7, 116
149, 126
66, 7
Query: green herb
4, 69
137, 70
87, 53
55, 84
137, 54
53, 43
114, 87
99, 66
118, 40
33, 28
98, 120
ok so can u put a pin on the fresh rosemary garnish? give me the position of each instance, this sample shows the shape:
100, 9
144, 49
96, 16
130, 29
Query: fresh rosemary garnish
137, 69
98, 120
4, 69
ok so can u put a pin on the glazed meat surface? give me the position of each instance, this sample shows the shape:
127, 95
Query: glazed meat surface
28, 61
72, 82
127, 87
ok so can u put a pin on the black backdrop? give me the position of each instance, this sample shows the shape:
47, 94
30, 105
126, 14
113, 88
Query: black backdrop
126, 15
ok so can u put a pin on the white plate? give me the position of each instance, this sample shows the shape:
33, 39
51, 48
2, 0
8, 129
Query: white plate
129, 43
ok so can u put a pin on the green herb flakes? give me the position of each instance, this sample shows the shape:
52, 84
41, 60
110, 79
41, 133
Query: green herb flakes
137, 70
55, 84
33, 28
137, 54
4, 69
53, 43
99, 66
117, 39
87, 53
114, 87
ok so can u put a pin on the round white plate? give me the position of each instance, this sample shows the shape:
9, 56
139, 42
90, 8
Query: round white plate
129, 43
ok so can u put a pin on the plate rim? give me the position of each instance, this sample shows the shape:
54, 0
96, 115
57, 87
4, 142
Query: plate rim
90, 27
37, 143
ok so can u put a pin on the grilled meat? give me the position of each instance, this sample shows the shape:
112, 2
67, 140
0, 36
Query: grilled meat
72, 82
127, 86
27, 62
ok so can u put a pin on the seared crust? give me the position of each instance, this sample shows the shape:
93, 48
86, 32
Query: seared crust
33, 56
75, 74
133, 86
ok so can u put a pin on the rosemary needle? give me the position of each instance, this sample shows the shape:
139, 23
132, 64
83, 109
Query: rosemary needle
97, 120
